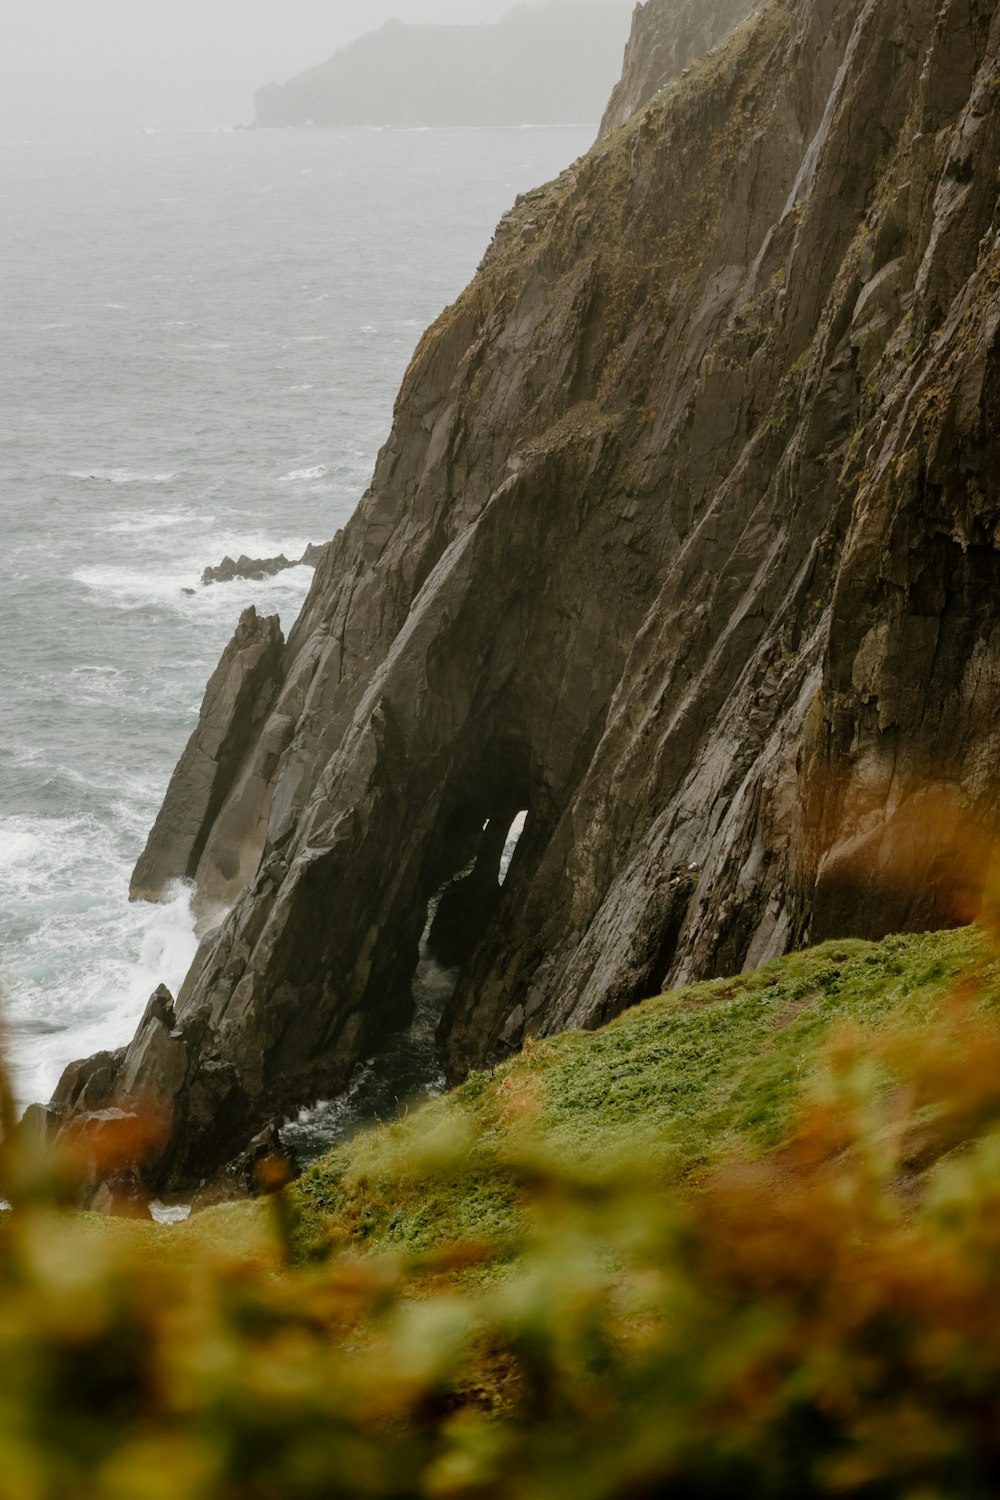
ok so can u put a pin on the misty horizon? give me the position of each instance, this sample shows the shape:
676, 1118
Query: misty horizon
183, 64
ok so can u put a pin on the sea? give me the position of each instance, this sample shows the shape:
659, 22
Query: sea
201, 339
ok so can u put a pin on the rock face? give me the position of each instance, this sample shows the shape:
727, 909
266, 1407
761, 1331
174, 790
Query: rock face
686, 540
213, 822
665, 41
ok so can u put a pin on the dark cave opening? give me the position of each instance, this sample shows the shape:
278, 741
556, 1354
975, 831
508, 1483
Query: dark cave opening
468, 902
407, 1066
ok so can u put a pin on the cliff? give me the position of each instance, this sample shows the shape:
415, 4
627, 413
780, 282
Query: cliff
664, 41
542, 64
685, 541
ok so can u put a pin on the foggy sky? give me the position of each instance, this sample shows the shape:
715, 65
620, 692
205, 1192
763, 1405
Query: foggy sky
86, 63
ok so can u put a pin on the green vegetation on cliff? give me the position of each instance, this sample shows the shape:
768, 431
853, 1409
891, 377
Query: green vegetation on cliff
706, 1073
745, 1239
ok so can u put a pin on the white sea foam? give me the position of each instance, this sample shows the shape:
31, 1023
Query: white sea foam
318, 471
16, 847
121, 476
97, 685
131, 525
168, 943
131, 588
123, 588
255, 543
64, 889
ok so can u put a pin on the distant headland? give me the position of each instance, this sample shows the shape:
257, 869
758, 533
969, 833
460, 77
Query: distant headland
544, 64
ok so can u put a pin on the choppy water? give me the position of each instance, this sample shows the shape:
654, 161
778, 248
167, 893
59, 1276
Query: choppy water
201, 337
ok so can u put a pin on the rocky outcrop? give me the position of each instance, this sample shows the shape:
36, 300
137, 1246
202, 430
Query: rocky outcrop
113, 1122
686, 541
258, 568
549, 63
218, 793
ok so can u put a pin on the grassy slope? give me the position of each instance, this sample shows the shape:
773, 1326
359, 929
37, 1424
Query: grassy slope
820, 1324
697, 1075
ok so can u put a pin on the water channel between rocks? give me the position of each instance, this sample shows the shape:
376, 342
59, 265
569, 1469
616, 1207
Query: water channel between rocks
406, 1071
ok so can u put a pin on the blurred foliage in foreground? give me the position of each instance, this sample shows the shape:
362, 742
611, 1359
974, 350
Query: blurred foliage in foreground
815, 1315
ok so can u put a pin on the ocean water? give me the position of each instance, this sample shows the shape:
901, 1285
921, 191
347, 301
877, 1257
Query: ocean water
201, 337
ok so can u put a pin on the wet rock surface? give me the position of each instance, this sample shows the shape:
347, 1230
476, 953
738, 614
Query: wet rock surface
684, 540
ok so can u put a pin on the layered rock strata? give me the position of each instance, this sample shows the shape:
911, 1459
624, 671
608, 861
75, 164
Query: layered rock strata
219, 791
664, 42
686, 541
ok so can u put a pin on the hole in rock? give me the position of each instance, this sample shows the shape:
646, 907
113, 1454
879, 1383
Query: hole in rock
514, 833
467, 904
408, 1067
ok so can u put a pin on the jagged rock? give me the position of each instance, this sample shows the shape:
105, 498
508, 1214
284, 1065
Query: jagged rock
258, 568
687, 540
116, 1118
255, 568
109, 1151
89, 1085
37, 1128
206, 830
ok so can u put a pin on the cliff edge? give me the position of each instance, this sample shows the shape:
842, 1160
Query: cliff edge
685, 542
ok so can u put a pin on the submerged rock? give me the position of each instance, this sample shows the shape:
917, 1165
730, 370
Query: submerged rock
684, 540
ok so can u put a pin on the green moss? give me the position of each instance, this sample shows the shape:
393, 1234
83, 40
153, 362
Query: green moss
694, 1075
